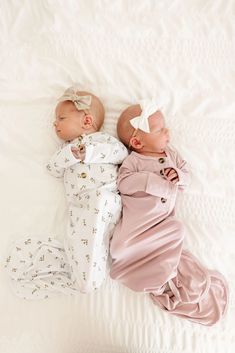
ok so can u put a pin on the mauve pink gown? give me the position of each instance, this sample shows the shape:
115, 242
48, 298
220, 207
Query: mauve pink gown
146, 247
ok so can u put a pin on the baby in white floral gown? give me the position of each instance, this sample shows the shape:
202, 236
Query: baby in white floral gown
88, 161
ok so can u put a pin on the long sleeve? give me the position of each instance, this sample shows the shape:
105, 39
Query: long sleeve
131, 181
61, 160
110, 151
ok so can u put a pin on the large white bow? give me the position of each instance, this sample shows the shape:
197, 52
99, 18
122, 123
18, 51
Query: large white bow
148, 107
80, 102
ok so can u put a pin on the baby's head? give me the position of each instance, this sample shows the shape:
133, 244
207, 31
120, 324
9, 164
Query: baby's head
141, 127
78, 112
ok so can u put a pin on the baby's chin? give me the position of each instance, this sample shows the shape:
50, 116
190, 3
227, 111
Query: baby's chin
63, 137
164, 146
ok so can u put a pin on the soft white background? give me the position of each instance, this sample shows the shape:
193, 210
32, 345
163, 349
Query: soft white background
122, 51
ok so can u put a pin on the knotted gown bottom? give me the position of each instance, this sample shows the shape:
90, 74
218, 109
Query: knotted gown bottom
150, 259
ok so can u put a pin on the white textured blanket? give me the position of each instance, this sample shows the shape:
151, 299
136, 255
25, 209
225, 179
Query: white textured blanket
122, 51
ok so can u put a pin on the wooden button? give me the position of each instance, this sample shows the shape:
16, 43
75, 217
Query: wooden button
82, 148
161, 160
83, 175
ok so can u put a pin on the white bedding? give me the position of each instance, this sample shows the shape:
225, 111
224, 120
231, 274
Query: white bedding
122, 51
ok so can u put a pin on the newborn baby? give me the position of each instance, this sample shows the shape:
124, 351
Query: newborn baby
88, 161
146, 247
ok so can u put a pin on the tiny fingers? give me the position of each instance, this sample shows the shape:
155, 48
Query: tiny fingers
171, 175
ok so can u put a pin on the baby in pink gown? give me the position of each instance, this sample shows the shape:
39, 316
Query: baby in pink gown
147, 245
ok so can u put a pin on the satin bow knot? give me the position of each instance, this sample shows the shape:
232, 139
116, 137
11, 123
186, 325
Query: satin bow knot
80, 102
148, 107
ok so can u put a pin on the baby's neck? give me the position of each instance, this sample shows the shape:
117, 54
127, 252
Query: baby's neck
153, 153
88, 132
92, 130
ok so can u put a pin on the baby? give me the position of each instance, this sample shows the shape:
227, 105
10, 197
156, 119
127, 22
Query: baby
88, 161
146, 247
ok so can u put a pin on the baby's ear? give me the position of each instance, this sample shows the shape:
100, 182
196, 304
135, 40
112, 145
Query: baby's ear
87, 121
136, 143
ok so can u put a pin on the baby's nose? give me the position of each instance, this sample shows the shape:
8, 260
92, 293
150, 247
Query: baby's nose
55, 123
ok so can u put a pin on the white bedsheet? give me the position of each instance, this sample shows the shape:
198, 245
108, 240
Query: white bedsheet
122, 51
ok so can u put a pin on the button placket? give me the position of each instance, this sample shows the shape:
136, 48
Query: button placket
162, 160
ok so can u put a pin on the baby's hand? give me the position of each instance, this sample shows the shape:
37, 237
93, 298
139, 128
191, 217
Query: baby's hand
76, 152
171, 175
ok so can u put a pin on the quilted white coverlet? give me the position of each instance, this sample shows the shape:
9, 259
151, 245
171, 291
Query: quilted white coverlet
122, 51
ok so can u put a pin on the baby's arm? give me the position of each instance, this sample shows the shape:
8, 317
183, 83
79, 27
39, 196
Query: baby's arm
61, 160
110, 151
131, 181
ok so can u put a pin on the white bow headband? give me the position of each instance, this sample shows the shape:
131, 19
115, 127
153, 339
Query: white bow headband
80, 102
148, 107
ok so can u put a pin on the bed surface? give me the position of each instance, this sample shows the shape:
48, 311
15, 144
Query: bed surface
122, 51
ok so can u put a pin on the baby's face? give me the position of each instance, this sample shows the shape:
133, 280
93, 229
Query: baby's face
68, 122
158, 138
